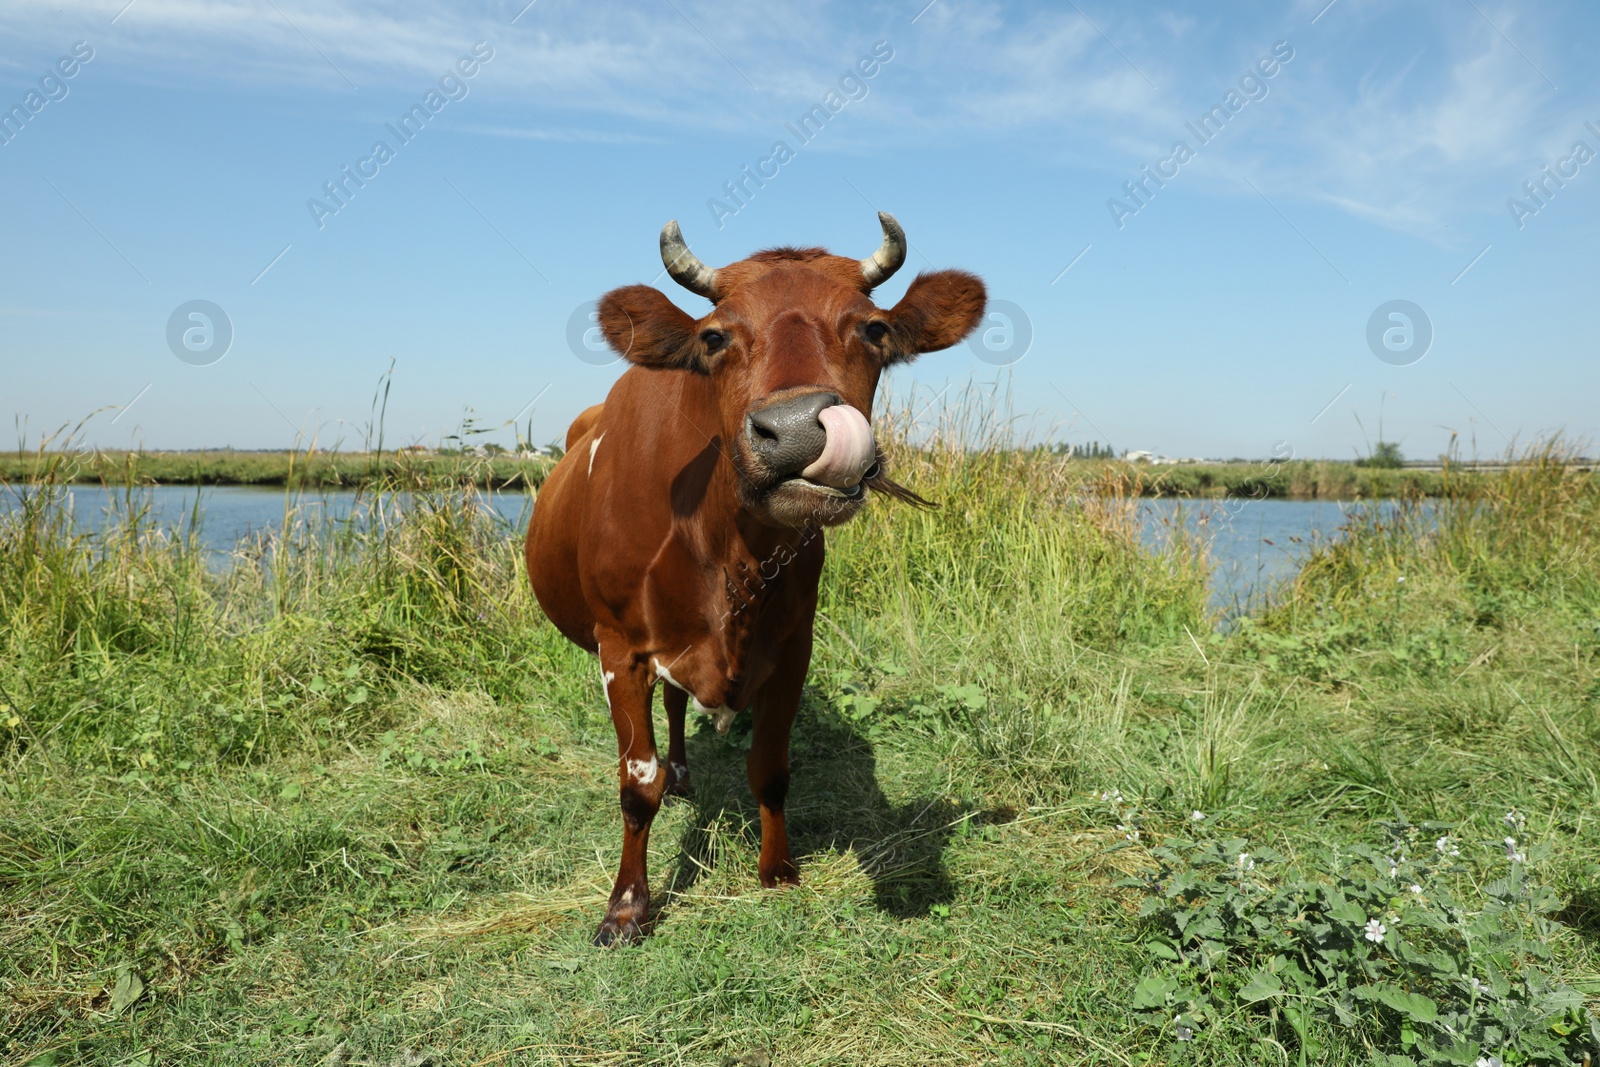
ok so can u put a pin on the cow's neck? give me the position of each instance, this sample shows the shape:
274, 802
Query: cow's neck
744, 538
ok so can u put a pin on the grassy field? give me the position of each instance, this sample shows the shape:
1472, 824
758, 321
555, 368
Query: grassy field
352, 801
1325, 479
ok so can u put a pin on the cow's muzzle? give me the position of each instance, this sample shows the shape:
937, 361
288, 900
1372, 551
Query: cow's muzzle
814, 438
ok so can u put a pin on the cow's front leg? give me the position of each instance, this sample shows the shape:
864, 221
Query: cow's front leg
768, 762
628, 692
676, 702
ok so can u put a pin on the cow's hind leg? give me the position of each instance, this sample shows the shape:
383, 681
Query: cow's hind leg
628, 691
676, 702
768, 762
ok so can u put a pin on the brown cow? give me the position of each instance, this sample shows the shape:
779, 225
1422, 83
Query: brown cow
678, 537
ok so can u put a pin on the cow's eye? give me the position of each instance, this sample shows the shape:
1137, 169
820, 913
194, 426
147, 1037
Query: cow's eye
876, 331
714, 340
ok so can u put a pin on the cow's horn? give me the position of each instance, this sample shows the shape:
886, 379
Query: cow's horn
889, 256
684, 266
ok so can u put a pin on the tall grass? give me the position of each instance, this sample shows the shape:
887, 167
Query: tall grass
1524, 536
125, 639
1021, 561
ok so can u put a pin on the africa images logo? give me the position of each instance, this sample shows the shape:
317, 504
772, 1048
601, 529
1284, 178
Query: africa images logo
52, 88
1252, 86
452, 85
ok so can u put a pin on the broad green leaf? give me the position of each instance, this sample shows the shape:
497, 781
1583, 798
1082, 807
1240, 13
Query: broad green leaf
1262, 985
126, 991
1443, 963
1212, 953
1561, 999
1164, 950
1153, 990
1412, 1005
1347, 911
1499, 984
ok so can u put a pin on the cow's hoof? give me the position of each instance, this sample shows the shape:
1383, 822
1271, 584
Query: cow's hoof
678, 788
617, 932
780, 878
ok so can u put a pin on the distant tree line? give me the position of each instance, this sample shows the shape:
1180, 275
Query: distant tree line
1385, 456
1092, 450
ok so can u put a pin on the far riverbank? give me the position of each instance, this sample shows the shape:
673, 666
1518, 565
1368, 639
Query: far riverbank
1257, 480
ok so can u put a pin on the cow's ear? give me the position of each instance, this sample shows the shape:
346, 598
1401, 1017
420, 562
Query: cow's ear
646, 328
937, 311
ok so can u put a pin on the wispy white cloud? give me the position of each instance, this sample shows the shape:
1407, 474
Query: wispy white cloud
1414, 138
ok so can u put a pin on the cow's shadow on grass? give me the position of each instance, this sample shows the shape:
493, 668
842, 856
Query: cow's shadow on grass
1582, 912
835, 804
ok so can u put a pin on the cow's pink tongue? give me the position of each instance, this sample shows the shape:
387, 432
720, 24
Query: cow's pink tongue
849, 451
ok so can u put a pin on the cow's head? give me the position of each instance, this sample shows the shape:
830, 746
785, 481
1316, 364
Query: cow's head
794, 346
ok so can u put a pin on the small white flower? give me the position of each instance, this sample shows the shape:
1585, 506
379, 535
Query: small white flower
1401, 578
1445, 847
1197, 816
1478, 987
1417, 890
1375, 930
1134, 836
1511, 819
1511, 851
1184, 1031
1489, 1061
1245, 862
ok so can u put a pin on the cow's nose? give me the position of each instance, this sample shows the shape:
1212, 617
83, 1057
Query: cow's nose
786, 435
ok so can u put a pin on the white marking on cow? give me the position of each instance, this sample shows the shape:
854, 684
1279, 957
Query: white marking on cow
680, 770
666, 676
644, 771
606, 678
626, 897
594, 446
722, 717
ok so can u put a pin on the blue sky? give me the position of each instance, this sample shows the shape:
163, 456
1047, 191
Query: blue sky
1222, 313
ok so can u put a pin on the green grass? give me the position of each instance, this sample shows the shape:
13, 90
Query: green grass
352, 799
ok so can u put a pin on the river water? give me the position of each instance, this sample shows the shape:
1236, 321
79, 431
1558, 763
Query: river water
1256, 544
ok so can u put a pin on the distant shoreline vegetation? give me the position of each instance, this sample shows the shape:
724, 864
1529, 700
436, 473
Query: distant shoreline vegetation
1302, 479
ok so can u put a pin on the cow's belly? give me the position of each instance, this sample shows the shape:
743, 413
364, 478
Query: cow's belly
552, 551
